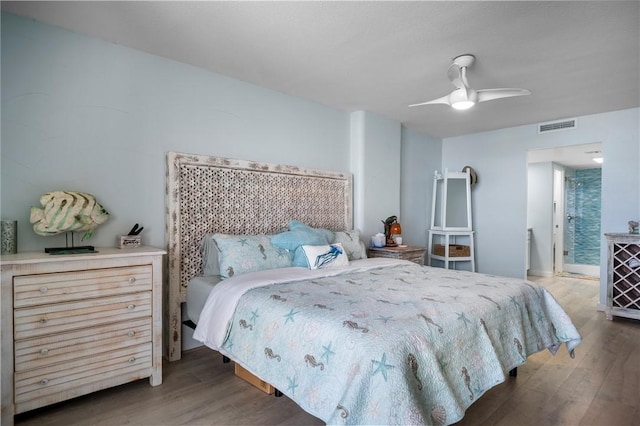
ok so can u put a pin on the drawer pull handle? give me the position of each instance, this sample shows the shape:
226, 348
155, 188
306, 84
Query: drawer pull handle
131, 333
131, 307
132, 359
44, 381
44, 351
43, 290
132, 280
43, 320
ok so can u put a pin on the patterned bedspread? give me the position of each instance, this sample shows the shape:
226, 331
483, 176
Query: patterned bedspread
400, 344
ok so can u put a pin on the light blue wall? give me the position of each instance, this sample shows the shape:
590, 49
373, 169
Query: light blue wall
375, 154
500, 199
421, 156
82, 114
540, 217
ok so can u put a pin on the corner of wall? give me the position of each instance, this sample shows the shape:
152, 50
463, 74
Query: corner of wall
375, 163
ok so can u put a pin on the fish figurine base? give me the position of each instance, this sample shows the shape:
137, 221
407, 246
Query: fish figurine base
70, 250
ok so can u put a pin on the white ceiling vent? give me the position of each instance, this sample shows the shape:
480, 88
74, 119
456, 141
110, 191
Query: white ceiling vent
555, 126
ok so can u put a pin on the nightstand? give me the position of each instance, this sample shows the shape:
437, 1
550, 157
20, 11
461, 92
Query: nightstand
78, 323
413, 254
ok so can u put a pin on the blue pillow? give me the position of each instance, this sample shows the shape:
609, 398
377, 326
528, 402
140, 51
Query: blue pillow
300, 235
296, 224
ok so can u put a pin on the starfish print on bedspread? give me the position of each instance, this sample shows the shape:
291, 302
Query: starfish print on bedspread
289, 316
381, 366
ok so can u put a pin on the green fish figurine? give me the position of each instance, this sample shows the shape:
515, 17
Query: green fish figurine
65, 211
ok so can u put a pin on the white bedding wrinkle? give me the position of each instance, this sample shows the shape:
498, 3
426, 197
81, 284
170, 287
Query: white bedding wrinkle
220, 305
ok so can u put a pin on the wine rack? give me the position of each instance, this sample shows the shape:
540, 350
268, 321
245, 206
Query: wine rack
623, 276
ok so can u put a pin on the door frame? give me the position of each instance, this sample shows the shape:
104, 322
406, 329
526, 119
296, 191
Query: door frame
558, 218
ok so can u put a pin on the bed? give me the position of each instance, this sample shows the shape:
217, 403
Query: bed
366, 341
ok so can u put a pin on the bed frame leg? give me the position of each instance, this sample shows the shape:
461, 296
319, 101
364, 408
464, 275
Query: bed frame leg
277, 393
514, 372
225, 359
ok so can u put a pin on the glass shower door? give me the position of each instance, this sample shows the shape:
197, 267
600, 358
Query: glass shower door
582, 235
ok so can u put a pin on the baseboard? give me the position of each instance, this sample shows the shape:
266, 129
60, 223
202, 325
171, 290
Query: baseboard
544, 274
590, 270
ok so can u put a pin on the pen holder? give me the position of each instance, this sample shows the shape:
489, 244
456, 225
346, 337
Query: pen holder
128, 241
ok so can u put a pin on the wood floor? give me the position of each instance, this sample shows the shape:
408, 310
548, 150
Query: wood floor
600, 386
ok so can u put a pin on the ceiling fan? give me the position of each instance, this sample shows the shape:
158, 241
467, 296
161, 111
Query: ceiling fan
463, 96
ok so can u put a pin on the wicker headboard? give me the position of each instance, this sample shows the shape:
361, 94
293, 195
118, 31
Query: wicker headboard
213, 194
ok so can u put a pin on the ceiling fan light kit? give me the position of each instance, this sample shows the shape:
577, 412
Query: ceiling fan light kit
464, 97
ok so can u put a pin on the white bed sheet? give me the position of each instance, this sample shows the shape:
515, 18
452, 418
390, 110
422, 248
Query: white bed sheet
197, 294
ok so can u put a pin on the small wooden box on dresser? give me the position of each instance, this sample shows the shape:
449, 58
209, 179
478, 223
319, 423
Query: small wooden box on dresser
413, 254
78, 323
623, 276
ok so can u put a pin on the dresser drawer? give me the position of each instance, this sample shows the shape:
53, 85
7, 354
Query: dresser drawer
60, 317
65, 347
31, 290
43, 386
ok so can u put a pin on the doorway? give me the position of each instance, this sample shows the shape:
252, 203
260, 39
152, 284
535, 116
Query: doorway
569, 243
581, 242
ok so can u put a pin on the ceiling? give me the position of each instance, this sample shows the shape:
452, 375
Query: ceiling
577, 58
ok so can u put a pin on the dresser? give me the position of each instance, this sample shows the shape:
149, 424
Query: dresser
413, 254
78, 323
623, 276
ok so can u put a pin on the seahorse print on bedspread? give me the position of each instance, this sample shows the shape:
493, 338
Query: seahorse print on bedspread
413, 364
354, 325
269, 354
311, 360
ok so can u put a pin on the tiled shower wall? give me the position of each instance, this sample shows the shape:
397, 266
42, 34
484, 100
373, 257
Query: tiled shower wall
583, 203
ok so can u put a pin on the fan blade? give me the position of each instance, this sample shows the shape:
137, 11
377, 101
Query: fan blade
491, 94
456, 76
442, 100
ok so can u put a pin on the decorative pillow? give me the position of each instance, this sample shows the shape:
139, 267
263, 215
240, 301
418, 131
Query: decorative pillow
326, 256
352, 244
301, 235
296, 224
209, 253
239, 254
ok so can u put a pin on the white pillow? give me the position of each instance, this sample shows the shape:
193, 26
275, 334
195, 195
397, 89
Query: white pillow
326, 256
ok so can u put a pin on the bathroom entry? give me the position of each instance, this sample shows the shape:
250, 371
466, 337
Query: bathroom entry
581, 220
564, 185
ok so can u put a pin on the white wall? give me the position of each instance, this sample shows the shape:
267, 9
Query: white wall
500, 200
540, 217
82, 114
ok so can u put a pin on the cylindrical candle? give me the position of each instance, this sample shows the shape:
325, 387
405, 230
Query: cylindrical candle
9, 236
